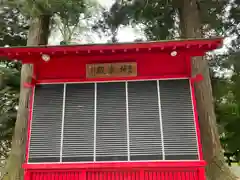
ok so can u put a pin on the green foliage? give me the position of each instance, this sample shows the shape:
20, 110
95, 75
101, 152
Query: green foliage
68, 12
9, 93
227, 103
160, 17
47, 7
212, 15
226, 90
232, 24
13, 32
156, 16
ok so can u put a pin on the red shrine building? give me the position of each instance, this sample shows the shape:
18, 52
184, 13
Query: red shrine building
113, 111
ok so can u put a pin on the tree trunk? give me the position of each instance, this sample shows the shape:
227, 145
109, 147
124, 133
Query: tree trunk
217, 169
38, 35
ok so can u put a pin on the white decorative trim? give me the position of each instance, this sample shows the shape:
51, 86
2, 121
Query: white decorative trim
160, 118
63, 117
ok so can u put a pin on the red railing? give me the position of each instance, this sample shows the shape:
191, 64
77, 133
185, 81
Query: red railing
117, 173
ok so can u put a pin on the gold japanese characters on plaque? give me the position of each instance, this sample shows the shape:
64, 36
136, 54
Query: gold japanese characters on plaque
105, 70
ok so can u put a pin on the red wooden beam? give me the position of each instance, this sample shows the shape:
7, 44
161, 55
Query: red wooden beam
114, 165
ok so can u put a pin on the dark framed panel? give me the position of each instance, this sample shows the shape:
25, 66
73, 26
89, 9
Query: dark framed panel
45, 139
113, 121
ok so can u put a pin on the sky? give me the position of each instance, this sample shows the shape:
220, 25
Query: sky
125, 34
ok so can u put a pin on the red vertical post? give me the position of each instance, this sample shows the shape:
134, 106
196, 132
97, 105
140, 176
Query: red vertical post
201, 174
30, 110
196, 119
26, 175
142, 174
83, 174
188, 60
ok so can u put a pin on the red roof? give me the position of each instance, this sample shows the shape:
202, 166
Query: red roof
26, 54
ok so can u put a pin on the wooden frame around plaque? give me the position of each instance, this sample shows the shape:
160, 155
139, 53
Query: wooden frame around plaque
108, 70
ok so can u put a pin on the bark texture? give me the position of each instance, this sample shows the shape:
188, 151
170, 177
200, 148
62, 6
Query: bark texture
38, 35
190, 21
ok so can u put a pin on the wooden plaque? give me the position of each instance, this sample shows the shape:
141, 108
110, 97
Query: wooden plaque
104, 70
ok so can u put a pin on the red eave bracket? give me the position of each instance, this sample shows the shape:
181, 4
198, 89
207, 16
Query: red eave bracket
197, 78
31, 84
27, 85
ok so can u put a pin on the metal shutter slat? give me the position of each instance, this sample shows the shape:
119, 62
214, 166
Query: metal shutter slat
178, 120
46, 124
78, 136
144, 121
111, 134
